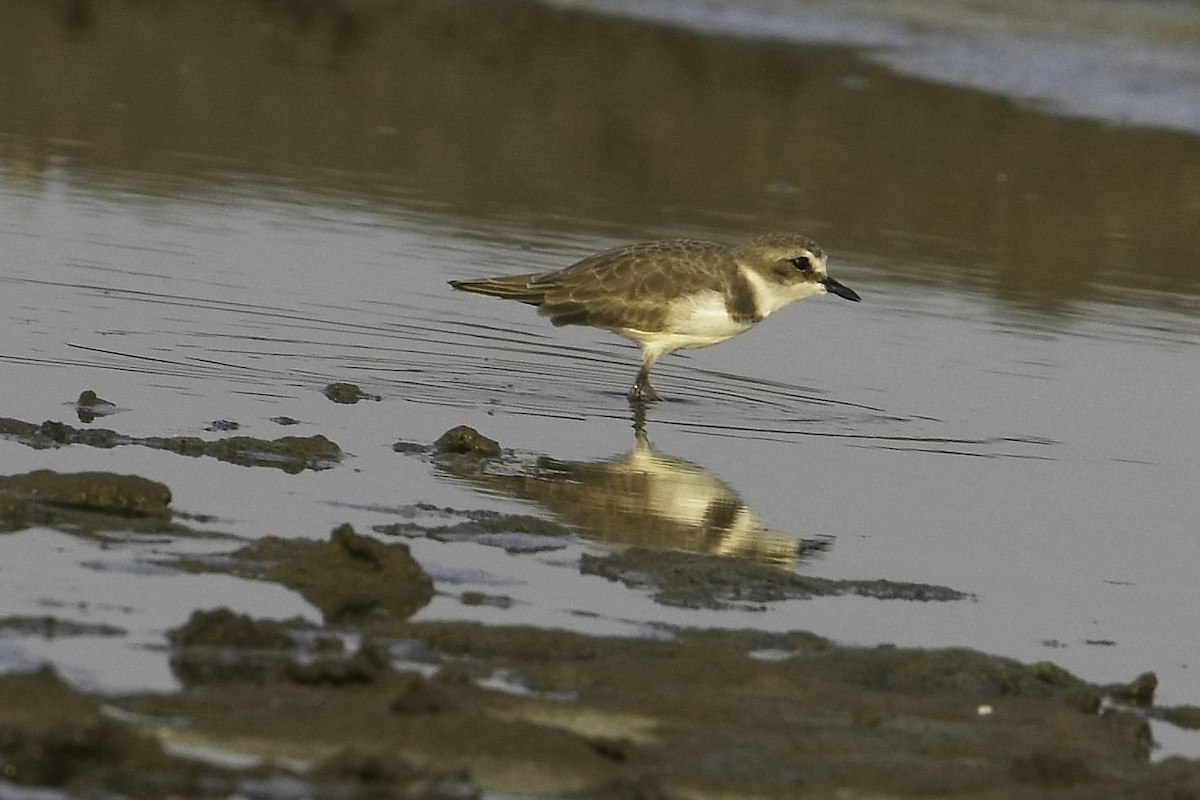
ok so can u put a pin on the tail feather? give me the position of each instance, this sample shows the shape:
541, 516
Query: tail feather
516, 287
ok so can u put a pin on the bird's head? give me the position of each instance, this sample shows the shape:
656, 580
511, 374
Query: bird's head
792, 264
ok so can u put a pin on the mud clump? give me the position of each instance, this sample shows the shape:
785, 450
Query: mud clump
347, 393
1138, 692
223, 628
222, 647
90, 399
89, 406
292, 454
288, 453
97, 492
366, 665
350, 578
697, 580
463, 440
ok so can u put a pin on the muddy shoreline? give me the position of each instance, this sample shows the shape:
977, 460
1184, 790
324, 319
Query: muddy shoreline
370, 704
245, 561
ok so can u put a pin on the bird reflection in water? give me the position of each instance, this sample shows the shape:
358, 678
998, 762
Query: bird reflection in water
645, 498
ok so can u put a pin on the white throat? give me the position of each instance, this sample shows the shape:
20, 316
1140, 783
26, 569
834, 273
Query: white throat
770, 297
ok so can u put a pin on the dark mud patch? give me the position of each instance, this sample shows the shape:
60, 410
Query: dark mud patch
1139, 692
461, 447
537, 712
347, 393
104, 506
314, 704
83, 502
53, 737
350, 578
485, 599
465, 440
1187, 717
89, 406
515, 533
221, 646
222, 628
51, 627
98, 492
291, 454
696, 580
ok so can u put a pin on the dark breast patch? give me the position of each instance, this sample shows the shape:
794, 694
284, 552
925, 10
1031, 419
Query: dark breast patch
741, 304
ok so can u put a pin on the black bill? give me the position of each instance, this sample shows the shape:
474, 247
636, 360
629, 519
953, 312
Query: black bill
840, 290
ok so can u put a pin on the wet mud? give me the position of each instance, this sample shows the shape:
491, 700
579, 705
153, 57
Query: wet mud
323, 102
349, 578
51, 627
288, 453
83, 502
465, 440
696, 580
515, 533
347, 393
90, 406
456, 709
99, 492
723, 557
371, 703
55, 737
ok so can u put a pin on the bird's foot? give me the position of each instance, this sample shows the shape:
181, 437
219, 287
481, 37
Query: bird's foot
643, 392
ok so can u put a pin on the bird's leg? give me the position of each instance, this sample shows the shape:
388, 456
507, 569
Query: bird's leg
639, 422
642, 391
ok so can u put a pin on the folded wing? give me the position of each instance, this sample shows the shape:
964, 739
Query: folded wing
628, 287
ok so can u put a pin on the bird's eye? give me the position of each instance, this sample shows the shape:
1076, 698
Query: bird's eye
801, 263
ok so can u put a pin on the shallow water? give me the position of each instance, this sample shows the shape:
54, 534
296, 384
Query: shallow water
1009, 411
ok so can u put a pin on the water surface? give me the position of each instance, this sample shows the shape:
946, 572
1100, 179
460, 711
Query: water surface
210, 213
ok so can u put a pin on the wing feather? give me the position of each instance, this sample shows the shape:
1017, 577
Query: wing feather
627, 287
634, 286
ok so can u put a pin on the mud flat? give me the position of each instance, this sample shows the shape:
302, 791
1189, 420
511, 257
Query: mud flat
388, 708
369, 703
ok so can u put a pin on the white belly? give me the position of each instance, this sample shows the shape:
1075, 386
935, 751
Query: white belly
697, 321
